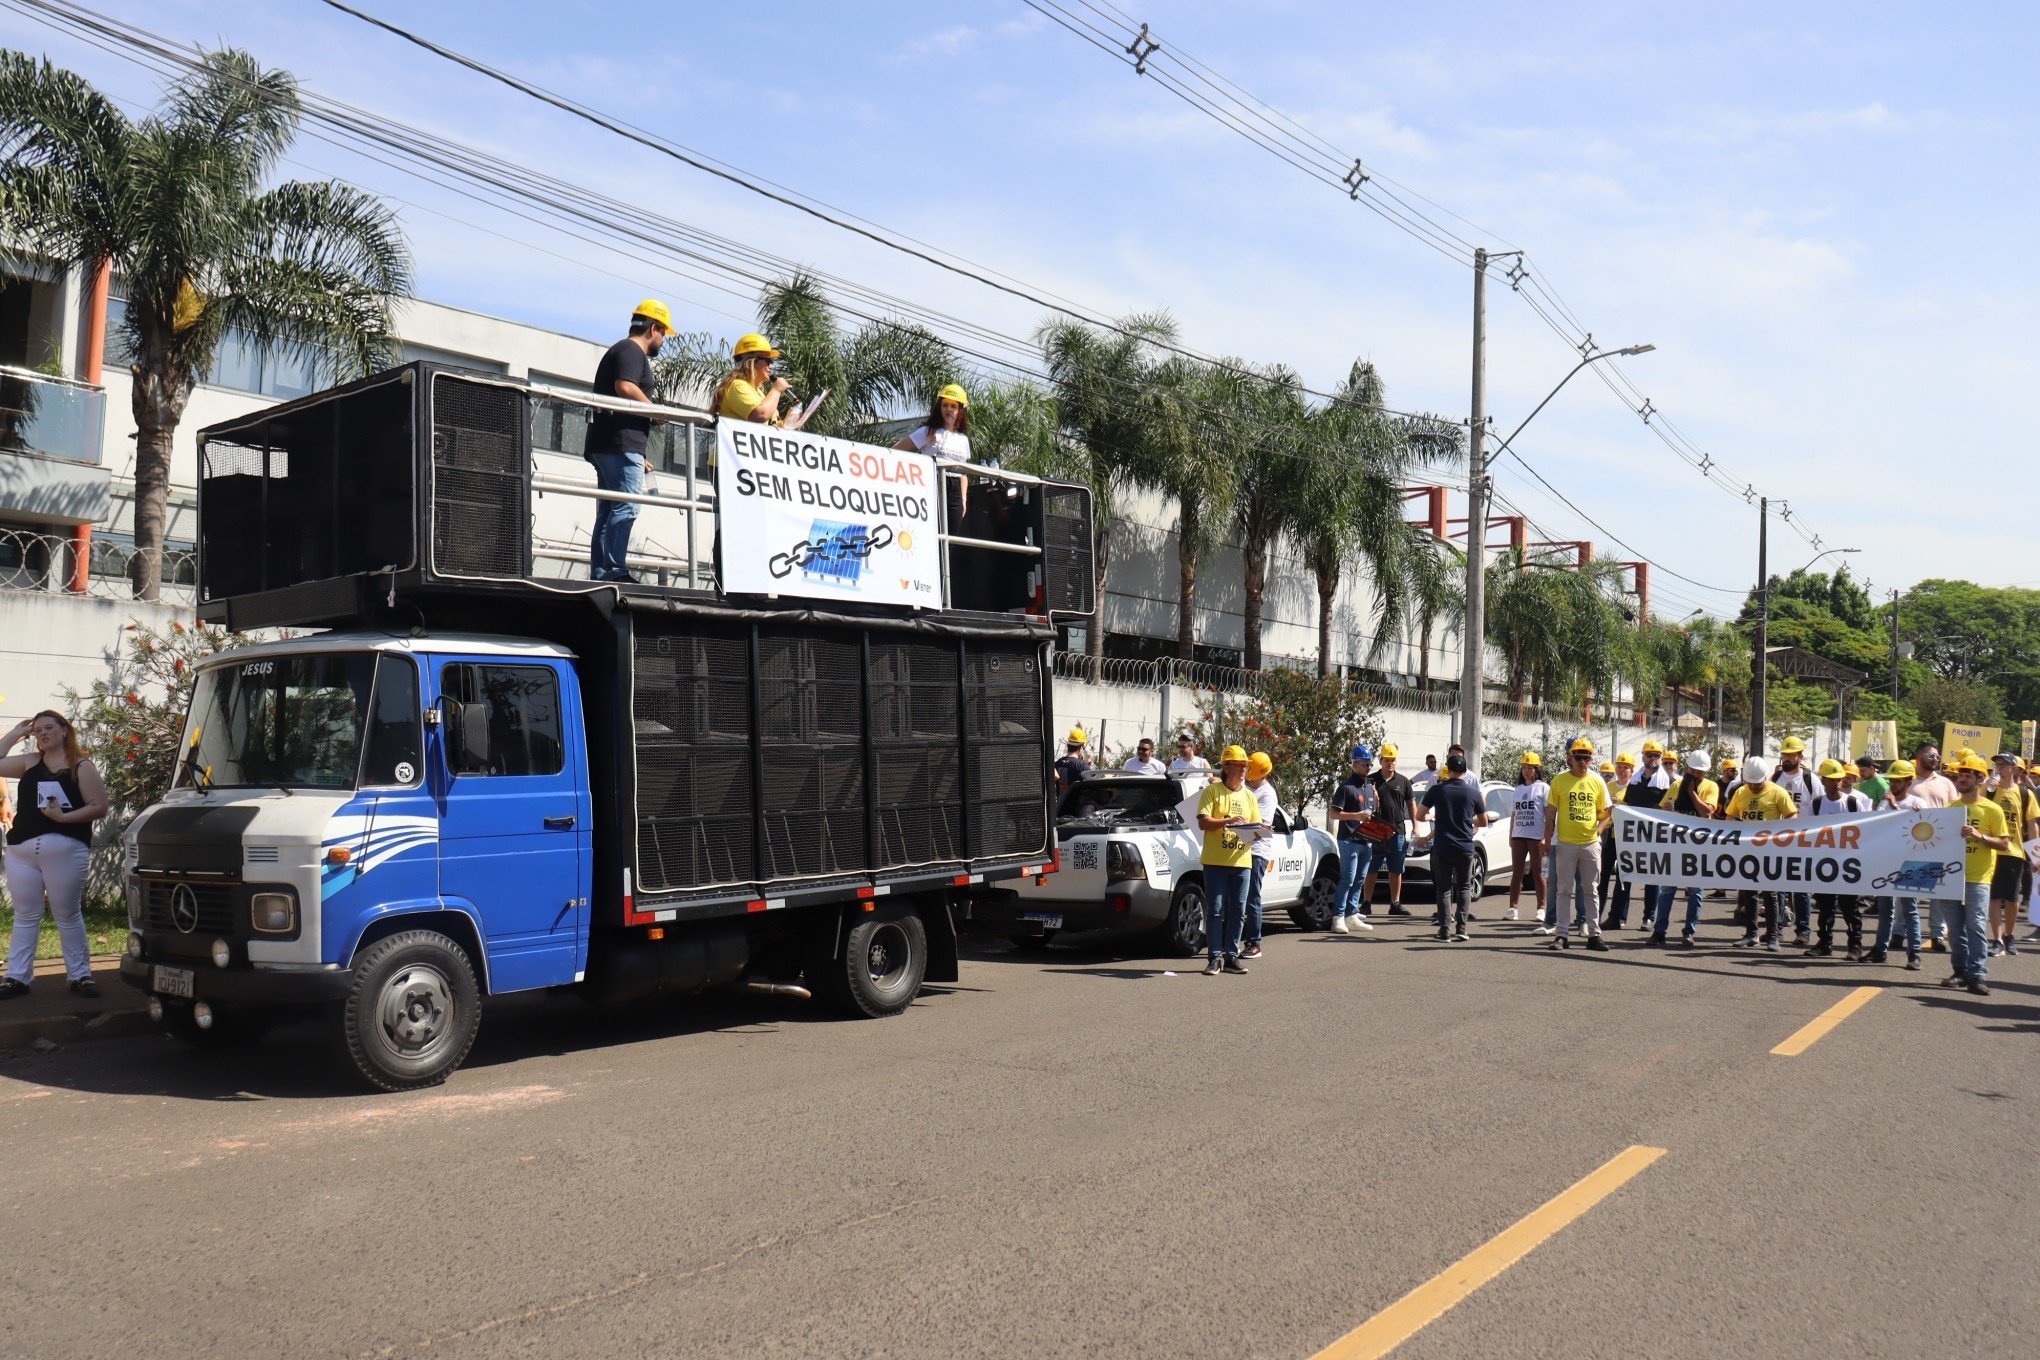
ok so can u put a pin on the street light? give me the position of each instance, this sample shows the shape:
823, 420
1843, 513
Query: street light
1473, 645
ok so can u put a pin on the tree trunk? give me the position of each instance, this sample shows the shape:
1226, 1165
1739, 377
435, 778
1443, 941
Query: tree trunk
1255, 555
1424, 655
158, 405
1186, 585
1327, 591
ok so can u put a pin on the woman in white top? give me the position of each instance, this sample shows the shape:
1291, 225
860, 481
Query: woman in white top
946, 434
1526, 832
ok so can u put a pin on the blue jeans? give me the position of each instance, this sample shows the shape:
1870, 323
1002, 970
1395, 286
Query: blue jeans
1970, 921
1659, 919
1354, 857
1225, 902
1898, 919
1802, 913
1252, 916
1619, 911
609, 544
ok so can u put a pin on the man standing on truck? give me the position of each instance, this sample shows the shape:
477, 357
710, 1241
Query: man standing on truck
1072, 766
616, 440
1225, 805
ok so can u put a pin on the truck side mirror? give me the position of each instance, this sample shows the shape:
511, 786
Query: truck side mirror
467, 734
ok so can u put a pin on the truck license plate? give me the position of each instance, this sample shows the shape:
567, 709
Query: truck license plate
170, 981
1046, 921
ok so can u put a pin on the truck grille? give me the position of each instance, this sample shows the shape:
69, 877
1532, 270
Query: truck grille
217, 912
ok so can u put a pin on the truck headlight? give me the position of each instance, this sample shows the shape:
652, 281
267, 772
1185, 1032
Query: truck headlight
273, 913
134, 903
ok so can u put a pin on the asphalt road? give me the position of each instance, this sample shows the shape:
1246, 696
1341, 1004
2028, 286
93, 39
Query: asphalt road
1072, 1155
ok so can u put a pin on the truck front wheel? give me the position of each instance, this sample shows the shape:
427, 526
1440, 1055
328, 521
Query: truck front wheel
413, 1011
884, 958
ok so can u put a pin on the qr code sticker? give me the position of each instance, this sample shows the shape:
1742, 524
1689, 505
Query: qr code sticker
1084, 855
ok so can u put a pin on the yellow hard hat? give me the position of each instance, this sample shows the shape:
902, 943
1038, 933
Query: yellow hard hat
653, 310
1078, 736
954, 392
1233, 755
1532, 758
755, 344
1791, 746
1971, 762
1671, 759
1607, 767
1388, 751
1259, 766
1653, 747
1624, 758
1832, 769
1900, 769
1582, 744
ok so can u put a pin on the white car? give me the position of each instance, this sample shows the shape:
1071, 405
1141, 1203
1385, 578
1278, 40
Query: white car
1130, 861
1490, 845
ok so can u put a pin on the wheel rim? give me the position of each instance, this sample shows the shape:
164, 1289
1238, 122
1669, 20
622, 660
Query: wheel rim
1319, 906
416, 1010
1190, 921
887, 955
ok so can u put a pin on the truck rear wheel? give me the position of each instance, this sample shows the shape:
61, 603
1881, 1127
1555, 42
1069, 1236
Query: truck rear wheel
1183, 932
885, 956
1314, 912
413, 1011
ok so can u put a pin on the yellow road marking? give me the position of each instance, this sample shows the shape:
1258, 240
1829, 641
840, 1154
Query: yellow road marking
1429, 1301
1825, 1021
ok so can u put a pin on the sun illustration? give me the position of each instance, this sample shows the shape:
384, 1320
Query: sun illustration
906, 541
1923, 835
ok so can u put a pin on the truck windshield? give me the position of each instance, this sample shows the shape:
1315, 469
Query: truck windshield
287, 721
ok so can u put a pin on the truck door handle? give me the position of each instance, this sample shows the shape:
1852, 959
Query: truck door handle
559, 823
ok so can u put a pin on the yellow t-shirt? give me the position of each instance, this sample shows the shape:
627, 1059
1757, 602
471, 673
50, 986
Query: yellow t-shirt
1705, 790
2019, 807
1577, 802
1764, 802
1978, 859
739, 399
1222, 847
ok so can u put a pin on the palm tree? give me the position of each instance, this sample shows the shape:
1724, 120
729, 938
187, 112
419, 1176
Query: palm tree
875, 376
1428, 588
174, 204
1272, 458
1563, 631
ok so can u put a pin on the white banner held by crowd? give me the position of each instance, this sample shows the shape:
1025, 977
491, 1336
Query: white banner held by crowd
1912, 854
805, 515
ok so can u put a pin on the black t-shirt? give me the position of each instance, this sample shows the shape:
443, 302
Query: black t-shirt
613, 431
29, 820
1354, 794
1455, 805
1394, 792
1068, 770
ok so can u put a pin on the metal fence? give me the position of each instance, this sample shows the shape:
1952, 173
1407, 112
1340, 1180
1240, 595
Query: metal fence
1144, 674
43, 562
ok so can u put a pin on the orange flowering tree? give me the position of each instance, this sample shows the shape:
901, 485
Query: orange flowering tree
1305, 724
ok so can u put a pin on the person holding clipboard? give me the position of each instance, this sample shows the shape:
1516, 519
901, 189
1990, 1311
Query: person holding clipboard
50, 847
1228, 815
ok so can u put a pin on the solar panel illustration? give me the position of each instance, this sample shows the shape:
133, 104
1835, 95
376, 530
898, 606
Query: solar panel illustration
837, 552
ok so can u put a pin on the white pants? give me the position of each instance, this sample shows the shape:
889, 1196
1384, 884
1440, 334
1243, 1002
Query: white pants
51, 867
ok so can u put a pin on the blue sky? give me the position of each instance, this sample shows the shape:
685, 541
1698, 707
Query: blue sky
1817, 212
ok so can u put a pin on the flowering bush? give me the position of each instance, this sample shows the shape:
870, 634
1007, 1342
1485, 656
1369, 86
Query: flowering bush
1305, 724
132, 720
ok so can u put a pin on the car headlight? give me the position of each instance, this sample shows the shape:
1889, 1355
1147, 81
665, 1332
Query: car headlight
273, 913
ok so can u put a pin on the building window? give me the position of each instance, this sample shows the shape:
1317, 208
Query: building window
239, 364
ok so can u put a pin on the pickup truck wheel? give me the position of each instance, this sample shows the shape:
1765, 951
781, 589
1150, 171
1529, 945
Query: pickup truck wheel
229, 1028
412, 1013
885, 956
1314, 912
1183, 932
1476, 875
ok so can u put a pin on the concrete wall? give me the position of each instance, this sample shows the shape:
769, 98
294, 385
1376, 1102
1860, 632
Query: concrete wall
49, 641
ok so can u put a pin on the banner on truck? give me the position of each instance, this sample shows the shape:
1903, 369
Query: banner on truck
1982, 740
818, 518
1873, 740
1914, 854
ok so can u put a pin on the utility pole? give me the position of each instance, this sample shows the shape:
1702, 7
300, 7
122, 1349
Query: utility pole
1473, 637
1763, 624
1894, 646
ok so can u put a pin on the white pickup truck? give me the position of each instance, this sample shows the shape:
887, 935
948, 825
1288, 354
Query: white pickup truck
1130, 862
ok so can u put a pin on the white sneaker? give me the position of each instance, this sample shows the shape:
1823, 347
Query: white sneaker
1339, 926
1359, 923
1544, 930
1511, 915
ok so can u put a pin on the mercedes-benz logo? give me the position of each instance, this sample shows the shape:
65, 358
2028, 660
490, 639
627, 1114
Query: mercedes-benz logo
184, 908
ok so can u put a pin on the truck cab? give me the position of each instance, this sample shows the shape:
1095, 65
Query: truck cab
338, 790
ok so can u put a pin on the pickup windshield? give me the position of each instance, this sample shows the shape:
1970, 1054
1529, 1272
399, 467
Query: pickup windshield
296, 721
1120, 800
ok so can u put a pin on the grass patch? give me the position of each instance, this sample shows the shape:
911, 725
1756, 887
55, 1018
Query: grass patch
106, 930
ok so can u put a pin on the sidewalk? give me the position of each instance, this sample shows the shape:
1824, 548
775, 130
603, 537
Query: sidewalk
53, 1012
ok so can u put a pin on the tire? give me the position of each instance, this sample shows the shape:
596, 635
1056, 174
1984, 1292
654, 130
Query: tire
229, 1028
1314, 912
884, 959
1183, 931
1033, 944
412, 1013
1476, 877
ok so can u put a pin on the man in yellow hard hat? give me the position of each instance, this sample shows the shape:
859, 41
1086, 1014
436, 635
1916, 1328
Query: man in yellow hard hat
1225, 807
1395, 801
1834, 800
1985, 835
616, 439
1266, 805
1573, 818
1072, 766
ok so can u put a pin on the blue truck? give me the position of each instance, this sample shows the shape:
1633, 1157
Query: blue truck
464, 773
